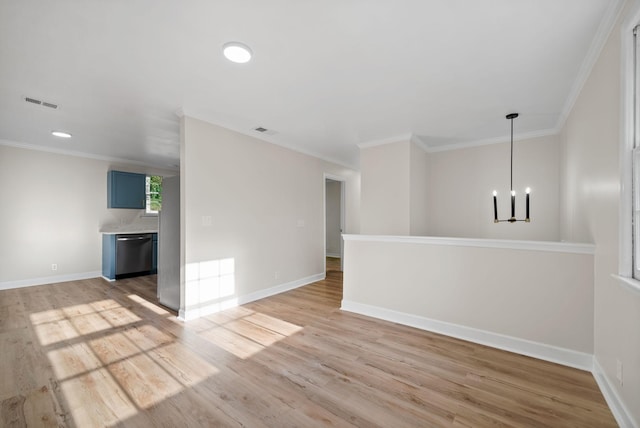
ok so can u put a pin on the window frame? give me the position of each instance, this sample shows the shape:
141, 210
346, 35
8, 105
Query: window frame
628, 136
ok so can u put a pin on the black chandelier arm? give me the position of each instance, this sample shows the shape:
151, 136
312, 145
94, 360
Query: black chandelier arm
513, 220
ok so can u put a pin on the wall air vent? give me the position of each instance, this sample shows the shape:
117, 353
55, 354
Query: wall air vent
41, 103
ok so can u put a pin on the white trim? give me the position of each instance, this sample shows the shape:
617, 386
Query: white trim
605, 28
558, 247
566, 357
616, 404
272, 291
84, 155
197, 311
333, 255
420, 143
412, 138
7, 285
628, 283
456, 146
390, 140
490, 141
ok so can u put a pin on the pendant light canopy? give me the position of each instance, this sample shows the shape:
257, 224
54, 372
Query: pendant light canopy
513, 218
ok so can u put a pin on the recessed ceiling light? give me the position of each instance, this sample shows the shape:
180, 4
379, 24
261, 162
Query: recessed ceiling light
61, 134
237, 52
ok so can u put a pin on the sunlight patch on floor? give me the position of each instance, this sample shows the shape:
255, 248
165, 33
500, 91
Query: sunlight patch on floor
96, 399
55, 331
109, 363
153, 308
244, 332
46, 316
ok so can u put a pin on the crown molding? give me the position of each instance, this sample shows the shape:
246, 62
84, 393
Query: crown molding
390, 140
602, 34
489, 141
83, 155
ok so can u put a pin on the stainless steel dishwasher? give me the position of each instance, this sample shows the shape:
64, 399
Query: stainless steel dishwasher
133, 253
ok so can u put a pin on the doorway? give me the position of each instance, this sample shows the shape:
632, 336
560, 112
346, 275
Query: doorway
334, 222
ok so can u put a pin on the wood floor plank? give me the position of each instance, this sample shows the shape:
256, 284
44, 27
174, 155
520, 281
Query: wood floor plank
21, 366
91, 353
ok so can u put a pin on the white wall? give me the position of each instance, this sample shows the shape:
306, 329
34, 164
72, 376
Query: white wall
274, 237
395, 186
462, 181
419, 192
539, 299
333, 237
385, 193
407, 191
53, 206
590, 212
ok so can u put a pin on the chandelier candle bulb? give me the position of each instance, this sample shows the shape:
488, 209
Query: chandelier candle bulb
513, 204
495, 207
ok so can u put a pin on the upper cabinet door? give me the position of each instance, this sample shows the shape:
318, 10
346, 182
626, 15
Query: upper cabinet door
126, 190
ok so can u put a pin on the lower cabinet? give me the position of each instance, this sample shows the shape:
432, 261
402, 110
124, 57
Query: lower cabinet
110, 256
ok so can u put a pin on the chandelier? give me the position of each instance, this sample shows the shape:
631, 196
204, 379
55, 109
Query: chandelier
513, 218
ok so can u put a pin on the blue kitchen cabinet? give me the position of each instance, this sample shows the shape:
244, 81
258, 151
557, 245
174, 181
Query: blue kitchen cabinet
154, 257
126, 190
109, 257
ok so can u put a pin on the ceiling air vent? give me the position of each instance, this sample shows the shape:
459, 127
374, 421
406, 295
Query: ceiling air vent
264, 130
41, 103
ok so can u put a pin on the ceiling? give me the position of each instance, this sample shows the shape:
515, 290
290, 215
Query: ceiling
326, 76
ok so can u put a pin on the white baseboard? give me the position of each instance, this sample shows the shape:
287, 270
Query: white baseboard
208, 309
272, 291
333, 255
7, 285
566, 357
619, 410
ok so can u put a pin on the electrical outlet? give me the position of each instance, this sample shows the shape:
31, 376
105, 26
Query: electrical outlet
206, 220
276, 275
54, 266
619, 370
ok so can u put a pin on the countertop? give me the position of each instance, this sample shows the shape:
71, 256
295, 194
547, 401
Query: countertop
117, 230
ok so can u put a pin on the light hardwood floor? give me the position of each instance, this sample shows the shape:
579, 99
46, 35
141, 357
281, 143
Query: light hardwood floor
87, 353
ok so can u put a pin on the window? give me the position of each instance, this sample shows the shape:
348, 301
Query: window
154, 194
629, 221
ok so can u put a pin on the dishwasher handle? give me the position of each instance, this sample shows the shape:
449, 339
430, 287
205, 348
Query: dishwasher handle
134, 238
